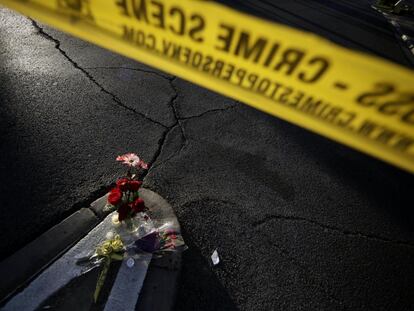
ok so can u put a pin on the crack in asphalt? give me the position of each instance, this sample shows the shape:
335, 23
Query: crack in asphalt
168, 129
206, 200
346, 232
161, 142
178, 119
209, 111
182, 127
157, 73
178, 122
89, 76
174, 108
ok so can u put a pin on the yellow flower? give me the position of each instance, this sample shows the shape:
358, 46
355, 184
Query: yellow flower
108, 247
117, 244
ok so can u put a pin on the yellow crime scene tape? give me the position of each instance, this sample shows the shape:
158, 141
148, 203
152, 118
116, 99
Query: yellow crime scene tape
354, 98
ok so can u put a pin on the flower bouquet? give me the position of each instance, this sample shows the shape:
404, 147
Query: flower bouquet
133, 231
124, 197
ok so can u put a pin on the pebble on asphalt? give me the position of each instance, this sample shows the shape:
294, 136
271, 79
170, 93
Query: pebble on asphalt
215, 258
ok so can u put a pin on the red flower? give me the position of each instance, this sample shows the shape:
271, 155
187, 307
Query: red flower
138, 205
123, 211
134, 185
122, 184
115, 196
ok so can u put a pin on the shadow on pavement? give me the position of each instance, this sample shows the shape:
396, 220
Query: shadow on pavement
199, 289
78, 294
383, 185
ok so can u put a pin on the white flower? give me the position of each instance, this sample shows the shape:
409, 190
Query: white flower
115, 220
132, 160
109, 235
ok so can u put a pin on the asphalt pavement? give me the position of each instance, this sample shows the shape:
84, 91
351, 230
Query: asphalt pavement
299, 222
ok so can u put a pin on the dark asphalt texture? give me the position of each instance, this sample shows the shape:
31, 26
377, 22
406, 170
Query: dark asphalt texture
299, 222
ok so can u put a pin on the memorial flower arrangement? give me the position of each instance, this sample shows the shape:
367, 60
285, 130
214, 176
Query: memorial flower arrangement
133, 231
124, 197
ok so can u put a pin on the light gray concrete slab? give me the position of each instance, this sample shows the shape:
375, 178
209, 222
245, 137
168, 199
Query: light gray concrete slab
128, 285
65, 269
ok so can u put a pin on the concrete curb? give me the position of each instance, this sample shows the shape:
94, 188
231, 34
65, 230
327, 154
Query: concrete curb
27, 262
160, 284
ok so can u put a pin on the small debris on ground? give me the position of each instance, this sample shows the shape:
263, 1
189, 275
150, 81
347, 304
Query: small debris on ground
215, 258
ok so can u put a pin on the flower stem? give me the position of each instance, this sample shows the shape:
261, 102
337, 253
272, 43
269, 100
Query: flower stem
101, 278
129, 224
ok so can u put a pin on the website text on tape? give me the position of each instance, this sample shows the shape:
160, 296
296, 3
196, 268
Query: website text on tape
354, 98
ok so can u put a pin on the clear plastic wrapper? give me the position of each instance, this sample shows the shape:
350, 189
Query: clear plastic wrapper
142, 237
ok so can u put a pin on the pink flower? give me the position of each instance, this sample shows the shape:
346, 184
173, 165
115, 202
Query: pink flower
132, 160
143, 165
